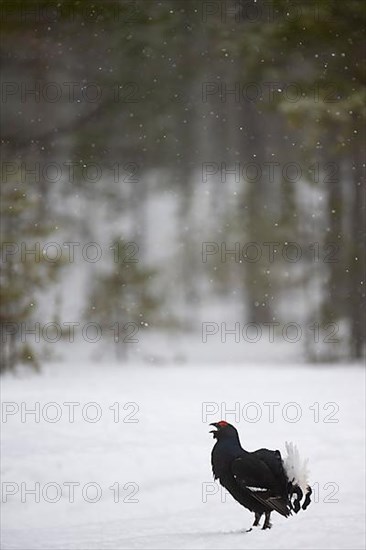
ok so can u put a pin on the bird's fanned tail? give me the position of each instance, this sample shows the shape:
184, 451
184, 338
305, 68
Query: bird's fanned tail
297, 473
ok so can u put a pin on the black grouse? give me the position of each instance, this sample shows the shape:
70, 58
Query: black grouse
260, 481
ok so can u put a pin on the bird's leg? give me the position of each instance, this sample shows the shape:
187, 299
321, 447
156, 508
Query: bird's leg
267, 524
256, 521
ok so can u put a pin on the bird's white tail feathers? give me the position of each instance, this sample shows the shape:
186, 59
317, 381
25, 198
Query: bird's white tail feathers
296, 469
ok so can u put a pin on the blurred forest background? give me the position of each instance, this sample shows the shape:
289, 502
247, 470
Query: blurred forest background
153, 127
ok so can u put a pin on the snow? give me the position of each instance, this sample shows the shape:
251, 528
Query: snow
167, 454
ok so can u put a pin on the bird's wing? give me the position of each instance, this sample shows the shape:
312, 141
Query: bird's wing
253, 474
273, 461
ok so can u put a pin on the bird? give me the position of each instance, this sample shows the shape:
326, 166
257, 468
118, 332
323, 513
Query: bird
261, 481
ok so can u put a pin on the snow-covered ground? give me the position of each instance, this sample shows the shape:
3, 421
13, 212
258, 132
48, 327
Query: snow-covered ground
155, 447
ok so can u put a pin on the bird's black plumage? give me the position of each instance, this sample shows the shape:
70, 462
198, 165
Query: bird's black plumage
257, 480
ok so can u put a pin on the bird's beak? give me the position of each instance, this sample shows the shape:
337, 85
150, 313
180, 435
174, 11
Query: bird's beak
216, 426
